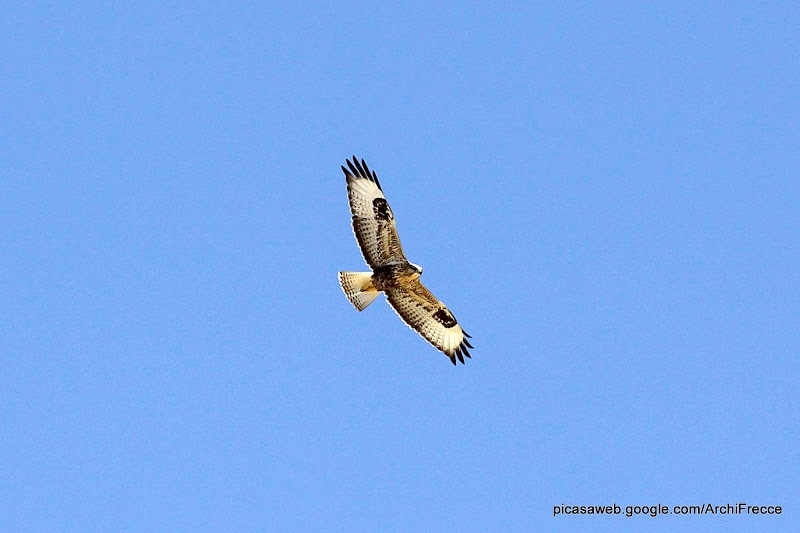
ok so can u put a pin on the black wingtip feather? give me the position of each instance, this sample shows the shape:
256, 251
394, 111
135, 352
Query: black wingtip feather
464, 349
453, 359
353, 169
361, 170
358, 166
460, 356
467, 344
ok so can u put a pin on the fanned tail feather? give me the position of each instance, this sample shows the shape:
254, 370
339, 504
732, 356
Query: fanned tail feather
357, 286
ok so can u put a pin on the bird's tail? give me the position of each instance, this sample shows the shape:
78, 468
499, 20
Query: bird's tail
358, 288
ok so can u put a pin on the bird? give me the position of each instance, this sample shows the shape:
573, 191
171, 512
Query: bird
392, 273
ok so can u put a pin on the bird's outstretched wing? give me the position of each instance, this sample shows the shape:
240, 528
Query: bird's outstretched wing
420, 309
373, 220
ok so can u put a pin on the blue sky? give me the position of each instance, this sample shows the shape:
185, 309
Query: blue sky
605, 195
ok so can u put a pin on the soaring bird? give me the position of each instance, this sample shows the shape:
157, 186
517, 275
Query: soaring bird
392, 273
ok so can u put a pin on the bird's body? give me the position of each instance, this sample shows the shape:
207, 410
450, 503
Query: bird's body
376, 232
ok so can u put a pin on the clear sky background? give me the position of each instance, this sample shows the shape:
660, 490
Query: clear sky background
607, 196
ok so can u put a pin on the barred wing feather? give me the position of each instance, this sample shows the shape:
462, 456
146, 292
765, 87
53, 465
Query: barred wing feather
420, 309
373, 221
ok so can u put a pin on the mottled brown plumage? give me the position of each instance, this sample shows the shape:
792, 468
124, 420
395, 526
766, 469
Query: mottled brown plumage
375, 230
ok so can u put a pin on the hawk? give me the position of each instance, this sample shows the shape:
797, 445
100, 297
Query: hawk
392, 274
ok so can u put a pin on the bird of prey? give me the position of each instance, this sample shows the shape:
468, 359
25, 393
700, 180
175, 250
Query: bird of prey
376, 232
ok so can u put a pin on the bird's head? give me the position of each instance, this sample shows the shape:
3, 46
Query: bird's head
416, 270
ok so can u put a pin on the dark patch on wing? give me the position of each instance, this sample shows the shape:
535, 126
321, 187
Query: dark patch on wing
385, 269
391, 270
381, 209
361, 170
445, 318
